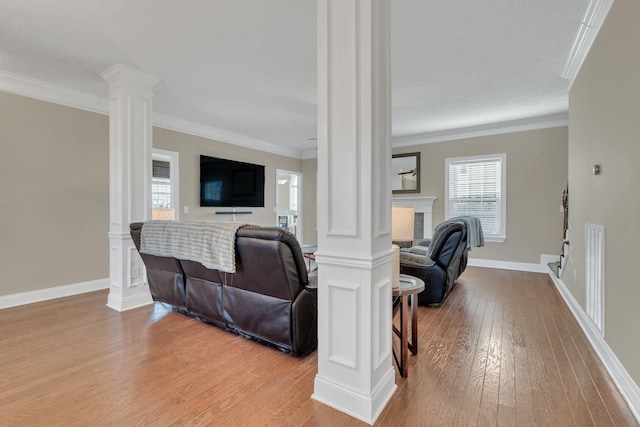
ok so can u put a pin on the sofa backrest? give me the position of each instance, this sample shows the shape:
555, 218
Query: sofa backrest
447, 240
161, 270
269, 261
150, 261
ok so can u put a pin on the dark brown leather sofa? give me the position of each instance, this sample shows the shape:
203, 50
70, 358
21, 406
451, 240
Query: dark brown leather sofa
269, 298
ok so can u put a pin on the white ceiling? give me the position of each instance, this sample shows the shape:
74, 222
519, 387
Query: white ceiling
248, 67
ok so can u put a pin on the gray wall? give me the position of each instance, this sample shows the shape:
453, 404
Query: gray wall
54, 182
604, 128
54, 187
536, 177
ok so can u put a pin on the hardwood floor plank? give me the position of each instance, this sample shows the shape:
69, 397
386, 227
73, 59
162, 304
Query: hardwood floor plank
523, 398
468, 415
507, 390
590, 393
488, 415
536, 345
448, 385
502, 349
561, 408
599, 376
435, 394
579, 407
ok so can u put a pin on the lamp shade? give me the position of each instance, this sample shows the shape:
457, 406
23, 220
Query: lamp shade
402, 223
166, 214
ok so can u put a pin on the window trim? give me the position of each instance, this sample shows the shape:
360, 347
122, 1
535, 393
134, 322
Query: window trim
502, 236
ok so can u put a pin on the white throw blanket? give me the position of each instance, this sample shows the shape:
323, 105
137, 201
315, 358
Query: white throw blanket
213, 244
475, 236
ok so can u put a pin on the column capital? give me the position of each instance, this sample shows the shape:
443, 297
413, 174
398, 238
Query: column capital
119, 74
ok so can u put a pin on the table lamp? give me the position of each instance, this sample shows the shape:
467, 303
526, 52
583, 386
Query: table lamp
401, 231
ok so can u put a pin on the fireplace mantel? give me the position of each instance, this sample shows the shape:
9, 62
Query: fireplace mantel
421, 205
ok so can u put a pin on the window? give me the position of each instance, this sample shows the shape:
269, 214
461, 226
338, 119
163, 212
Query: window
476, 186
161, 185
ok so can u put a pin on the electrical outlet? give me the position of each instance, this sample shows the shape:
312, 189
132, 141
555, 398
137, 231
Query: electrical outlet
186, 209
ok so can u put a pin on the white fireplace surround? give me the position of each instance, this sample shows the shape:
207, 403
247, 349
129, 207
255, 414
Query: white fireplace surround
421, 205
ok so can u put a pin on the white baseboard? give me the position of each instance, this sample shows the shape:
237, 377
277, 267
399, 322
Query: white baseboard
30, 297
626, 385
518, 266
506, 265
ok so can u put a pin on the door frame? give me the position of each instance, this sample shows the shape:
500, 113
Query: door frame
299, 227
173, 157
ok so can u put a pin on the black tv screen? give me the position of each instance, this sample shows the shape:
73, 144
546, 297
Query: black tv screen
229, 183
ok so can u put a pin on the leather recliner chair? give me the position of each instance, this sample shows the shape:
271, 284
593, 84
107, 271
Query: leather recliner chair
444, 262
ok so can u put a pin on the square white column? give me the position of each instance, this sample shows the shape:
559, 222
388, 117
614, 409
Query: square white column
355, 370
130, 130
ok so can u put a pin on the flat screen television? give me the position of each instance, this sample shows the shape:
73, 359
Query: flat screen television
227, 183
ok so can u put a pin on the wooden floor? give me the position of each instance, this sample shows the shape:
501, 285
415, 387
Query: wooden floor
502, 350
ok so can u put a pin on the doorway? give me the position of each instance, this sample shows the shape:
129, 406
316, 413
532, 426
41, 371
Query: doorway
289, 202
164, 185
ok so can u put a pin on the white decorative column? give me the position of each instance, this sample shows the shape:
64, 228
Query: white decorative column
355, 370
130, 96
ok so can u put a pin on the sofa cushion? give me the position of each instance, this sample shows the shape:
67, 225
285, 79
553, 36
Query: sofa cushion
413, 258
420, 250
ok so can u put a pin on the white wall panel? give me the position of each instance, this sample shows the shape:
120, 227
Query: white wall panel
344, 323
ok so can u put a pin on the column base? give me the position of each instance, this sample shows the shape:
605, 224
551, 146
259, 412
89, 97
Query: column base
366, 408
119, 303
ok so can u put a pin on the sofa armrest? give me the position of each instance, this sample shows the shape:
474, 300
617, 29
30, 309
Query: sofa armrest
312, 286
304, 321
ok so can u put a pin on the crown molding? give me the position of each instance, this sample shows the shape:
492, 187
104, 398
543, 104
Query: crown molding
548, 121
44, 91
310, 154
589, 27
209, 132
531, 123
37, 89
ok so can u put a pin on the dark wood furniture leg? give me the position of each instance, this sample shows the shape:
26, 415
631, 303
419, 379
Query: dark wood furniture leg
413, 345
403, 306
404, 353
403, 296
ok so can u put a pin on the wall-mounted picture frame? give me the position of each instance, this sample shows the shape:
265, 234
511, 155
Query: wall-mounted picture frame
405, 173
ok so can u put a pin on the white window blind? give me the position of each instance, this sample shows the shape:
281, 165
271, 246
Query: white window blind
476, 187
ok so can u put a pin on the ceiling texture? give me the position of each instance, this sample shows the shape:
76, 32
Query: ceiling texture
248, 67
